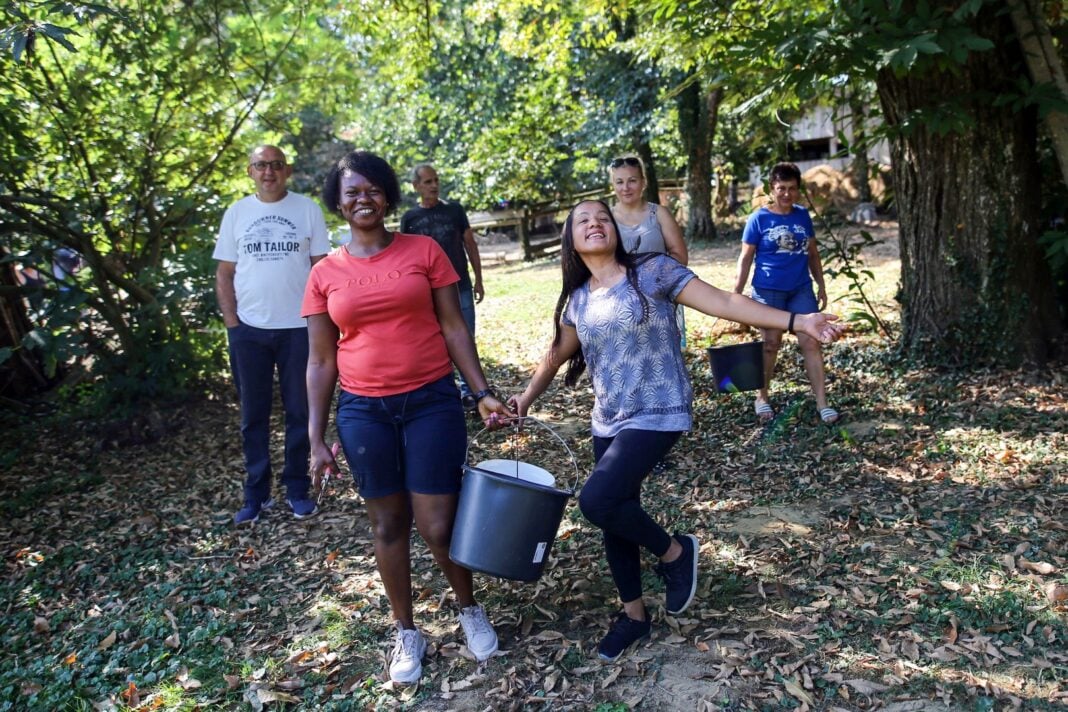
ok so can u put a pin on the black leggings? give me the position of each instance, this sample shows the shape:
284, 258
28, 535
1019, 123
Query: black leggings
611, 500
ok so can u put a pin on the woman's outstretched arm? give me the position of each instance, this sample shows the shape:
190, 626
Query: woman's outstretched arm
703, 297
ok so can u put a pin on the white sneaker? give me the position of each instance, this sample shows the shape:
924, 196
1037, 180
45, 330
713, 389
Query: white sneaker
481, 638
406, 665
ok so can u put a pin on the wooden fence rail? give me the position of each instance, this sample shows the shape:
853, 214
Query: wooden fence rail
529, 221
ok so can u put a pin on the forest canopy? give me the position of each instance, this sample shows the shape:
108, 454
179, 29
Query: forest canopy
126, 127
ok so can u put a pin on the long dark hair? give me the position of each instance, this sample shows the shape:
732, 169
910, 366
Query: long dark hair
576, 273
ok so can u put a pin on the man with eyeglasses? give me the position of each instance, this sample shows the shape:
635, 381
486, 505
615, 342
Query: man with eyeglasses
446, 222
266, 246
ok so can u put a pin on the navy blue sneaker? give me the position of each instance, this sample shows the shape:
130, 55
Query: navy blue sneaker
250, 512
625, 631
303, 508
680, 576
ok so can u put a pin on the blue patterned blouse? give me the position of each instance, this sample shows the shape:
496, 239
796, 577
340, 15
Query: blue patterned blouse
639, 377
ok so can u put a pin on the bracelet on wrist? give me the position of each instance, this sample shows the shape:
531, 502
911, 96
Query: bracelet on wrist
790, 326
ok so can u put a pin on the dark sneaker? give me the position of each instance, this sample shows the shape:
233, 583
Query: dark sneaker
680, 575
303, 508
625, 631
469, 402
251, 511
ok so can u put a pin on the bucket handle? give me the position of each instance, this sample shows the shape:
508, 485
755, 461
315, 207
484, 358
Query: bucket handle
517, 425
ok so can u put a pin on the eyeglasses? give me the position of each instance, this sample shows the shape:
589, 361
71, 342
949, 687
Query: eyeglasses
626, 161
261, 166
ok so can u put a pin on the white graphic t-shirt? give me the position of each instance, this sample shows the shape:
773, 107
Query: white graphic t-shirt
272, 244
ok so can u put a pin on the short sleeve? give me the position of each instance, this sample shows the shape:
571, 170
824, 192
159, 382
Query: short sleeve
806, 220
461, 218
440, 270
314, 301
568, 317
751, 233
225, 243
320, 237
663, 276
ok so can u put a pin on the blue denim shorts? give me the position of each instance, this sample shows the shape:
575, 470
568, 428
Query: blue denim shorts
800, 300
408, 442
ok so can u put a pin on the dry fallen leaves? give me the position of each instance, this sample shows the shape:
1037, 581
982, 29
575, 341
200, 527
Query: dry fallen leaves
901, 529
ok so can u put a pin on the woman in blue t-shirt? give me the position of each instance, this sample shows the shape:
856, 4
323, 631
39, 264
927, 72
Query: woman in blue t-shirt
779, 237
616, 317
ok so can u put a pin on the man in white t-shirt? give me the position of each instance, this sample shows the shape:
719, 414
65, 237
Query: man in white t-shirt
266, 246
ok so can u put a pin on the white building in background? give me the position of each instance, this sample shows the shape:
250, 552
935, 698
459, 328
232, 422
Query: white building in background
814, 139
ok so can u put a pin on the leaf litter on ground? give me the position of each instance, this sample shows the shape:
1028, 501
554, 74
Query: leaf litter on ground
910, 557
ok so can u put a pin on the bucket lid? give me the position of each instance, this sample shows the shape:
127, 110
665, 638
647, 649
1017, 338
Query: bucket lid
517, 468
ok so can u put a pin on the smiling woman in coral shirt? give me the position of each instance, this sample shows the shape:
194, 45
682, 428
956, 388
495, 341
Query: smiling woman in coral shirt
384, 315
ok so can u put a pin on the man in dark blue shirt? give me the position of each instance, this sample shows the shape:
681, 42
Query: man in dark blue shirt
447, 223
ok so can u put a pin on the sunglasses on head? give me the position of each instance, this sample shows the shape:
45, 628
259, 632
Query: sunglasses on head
626, 161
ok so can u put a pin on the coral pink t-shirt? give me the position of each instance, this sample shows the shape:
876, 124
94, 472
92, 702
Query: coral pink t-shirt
391, 341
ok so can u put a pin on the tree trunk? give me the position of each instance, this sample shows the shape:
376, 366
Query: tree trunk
652, 183
1045, 67
697, 124
20, 374
976, 288
859, 148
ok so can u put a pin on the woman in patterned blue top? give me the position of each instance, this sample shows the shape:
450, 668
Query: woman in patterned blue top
615, 316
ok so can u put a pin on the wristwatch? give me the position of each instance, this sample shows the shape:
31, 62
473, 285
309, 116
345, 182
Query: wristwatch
483, 393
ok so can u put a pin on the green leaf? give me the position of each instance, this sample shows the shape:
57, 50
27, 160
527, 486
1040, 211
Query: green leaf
59, 34
977, 43
927, 46
903, 58
19, 45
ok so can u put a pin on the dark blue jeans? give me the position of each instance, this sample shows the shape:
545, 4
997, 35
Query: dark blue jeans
467, 306
611, 500
408, 442
254, 355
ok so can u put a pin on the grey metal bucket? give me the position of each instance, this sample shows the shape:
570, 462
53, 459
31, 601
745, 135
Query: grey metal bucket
505, 526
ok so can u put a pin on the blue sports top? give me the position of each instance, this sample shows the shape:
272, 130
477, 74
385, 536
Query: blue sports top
781, 248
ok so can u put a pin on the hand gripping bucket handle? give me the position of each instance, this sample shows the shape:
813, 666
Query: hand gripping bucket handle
516, 429
506, 526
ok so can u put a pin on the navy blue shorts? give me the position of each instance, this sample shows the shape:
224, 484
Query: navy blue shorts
409, 442
800, 300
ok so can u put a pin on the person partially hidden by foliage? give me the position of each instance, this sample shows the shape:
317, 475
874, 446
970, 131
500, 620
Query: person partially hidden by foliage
384, 315
615, 315
266, 246
780, 239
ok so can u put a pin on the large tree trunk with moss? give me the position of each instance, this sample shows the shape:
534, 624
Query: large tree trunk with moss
697, 126
975, 286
